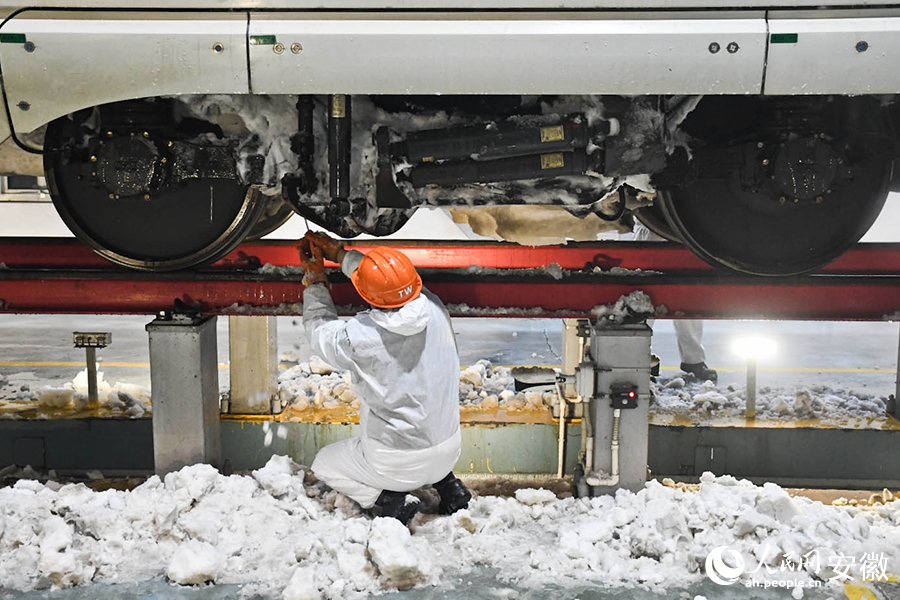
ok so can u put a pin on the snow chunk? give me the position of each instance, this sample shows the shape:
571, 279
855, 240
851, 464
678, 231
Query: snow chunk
196, 480
472, 376
194, 563
636, 304
675, 384
58, 561
531, 496
280, 476
389, 548
51, 397
302, 585
319, 366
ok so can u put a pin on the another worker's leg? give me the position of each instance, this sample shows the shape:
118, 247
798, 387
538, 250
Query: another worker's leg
344, 468
689, 334
654, 358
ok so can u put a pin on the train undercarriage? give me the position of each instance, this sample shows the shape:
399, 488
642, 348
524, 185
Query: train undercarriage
763, 185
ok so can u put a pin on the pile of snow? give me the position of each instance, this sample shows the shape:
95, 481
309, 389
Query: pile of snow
15, 391
553, 271
125, 399
490, 387
277, 536
464, 310
706, 400
285, 308
636, 304
281, 271
622, 272
315, 384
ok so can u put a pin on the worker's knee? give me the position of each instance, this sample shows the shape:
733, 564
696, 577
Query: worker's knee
337, 460
326, 462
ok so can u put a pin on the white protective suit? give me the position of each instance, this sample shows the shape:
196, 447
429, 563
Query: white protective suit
405, 367
688, 333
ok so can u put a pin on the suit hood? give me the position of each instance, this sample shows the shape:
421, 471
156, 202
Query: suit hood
409, 319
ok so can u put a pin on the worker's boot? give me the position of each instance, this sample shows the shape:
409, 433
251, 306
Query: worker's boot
397, 505
700, 371
454, 494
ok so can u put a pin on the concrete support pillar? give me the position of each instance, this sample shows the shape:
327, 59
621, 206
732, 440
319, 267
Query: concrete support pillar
184, 379
253, 352
571, 352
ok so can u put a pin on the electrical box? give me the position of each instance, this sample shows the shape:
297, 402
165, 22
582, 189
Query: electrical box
623, 395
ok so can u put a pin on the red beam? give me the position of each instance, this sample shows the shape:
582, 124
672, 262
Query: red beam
56, 253
62, 276
827, 298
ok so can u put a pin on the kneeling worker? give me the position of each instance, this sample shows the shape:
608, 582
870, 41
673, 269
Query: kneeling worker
404, 365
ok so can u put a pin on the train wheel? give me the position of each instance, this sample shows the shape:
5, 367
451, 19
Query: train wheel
108, 194
781, 200
276, 214
762, 233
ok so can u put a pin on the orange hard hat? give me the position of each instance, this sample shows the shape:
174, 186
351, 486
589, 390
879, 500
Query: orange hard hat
386, 278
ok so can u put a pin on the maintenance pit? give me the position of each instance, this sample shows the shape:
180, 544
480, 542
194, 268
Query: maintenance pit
843, 442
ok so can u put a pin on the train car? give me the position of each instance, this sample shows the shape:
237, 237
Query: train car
759, 133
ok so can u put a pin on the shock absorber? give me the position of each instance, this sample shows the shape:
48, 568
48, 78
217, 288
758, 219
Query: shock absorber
303, 144
339, 146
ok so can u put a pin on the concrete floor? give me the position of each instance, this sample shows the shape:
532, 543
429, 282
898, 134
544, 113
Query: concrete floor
847, 355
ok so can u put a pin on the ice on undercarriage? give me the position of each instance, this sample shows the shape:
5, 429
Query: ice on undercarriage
262, 126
